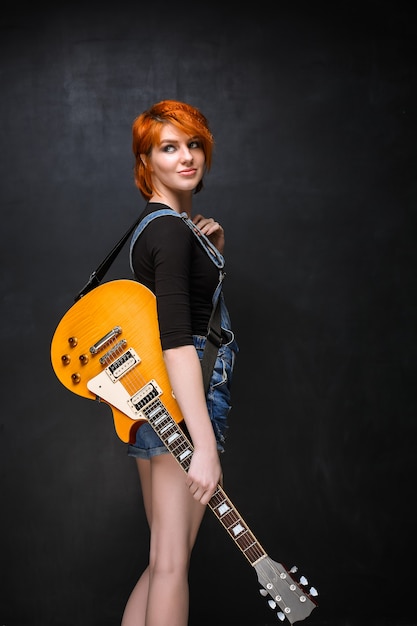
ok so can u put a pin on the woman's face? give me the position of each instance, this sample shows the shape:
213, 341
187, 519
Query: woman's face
177, 162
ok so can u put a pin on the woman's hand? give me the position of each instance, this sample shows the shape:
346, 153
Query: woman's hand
204, 474
186, 377
211, 229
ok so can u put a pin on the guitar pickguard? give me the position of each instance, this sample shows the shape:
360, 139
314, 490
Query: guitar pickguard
112, 392
108, 388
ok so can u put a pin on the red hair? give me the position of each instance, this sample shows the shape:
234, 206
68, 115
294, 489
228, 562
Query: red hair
146, 131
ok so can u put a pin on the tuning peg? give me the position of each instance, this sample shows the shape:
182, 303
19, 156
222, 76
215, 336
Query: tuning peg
294, 569
303, 580
272, 604
263, 592
313, 591
281, 616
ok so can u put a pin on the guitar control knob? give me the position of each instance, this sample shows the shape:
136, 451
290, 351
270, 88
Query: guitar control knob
76, 378
84, 359
73, 341
66, 359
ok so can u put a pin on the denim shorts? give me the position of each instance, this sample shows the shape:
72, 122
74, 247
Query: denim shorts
148, 444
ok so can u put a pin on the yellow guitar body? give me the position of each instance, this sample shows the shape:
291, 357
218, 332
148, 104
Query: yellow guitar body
108, 343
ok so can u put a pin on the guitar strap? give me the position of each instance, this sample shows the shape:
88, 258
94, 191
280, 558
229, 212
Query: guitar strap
97, 276
214, 332
213, 343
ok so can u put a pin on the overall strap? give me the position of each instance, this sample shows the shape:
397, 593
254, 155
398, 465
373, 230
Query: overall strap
142, 225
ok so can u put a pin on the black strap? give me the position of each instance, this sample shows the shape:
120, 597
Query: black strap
98, 274
213, 343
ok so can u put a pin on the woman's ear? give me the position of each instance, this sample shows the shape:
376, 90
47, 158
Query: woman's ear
144, 159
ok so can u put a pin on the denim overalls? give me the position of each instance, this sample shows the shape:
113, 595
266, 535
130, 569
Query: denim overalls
218, 395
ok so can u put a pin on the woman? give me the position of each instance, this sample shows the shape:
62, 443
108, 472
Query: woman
172, 145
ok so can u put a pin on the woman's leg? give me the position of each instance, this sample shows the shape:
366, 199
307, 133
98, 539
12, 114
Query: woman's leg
135, 609
174, 518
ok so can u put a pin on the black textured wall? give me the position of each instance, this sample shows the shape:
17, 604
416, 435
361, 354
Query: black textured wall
313, 107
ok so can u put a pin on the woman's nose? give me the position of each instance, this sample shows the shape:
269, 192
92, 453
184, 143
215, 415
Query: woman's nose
186, 154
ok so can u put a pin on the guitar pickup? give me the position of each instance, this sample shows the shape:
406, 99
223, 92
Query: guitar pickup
124, 364
145, 396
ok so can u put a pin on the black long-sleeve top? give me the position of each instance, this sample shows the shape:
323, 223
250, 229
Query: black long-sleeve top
168, 259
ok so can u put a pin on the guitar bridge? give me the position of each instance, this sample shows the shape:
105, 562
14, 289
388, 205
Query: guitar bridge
120, 345
144, 396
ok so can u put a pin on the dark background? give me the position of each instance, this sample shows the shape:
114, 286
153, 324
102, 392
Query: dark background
313, 107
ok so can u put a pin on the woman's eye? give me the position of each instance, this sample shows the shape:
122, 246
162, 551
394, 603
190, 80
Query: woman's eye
169, 148
194, 144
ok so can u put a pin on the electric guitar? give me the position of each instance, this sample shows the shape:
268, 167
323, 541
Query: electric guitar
107, 347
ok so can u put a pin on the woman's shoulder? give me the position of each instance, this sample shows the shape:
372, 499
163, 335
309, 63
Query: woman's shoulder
165, 218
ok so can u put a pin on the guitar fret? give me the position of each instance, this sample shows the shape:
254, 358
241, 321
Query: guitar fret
256, 554
172, 438
171, 435
230, 519
179, 445
237, 529
154, 412
165, 428
249, 541
184, 455
223, 508
245, 545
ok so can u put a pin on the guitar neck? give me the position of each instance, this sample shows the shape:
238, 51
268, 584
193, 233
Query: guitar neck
181, 448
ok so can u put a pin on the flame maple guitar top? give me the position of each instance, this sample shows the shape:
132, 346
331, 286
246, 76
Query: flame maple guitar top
97, 330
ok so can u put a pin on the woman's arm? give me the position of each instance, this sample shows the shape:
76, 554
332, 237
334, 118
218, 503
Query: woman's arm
185, 374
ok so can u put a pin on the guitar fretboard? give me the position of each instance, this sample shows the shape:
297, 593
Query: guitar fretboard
181, 448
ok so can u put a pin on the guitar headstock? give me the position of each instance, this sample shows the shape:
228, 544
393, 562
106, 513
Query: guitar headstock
294, 601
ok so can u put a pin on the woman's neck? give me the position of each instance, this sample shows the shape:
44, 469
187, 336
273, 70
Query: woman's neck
181, 203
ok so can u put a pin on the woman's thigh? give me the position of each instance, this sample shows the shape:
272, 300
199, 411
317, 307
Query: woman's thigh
175, 515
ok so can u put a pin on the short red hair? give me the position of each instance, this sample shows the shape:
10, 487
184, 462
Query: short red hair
146, 132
